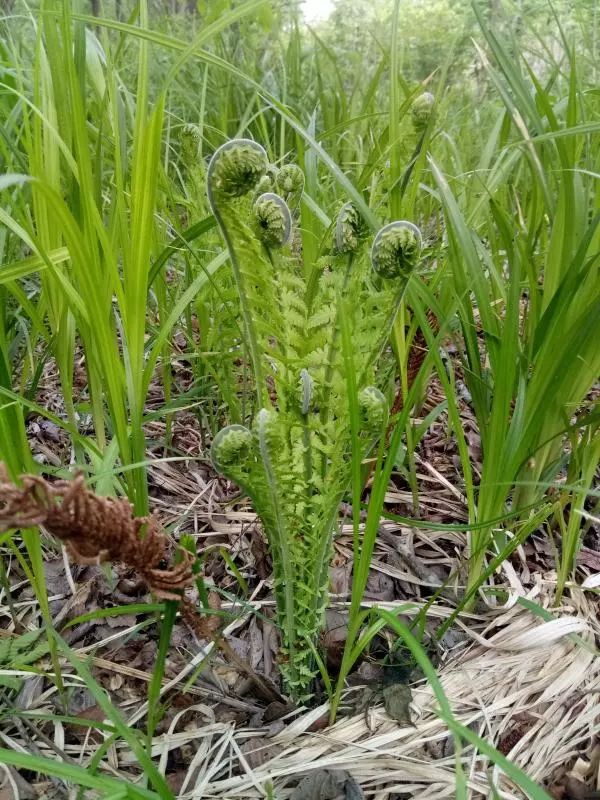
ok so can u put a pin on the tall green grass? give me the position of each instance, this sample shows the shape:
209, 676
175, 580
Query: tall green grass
524, 261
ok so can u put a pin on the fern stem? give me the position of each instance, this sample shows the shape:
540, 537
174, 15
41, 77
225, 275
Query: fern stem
282, 539
331, 354
252, 341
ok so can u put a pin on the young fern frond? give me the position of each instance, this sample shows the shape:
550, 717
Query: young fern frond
190, 139
421, 110
289, 182
294, 462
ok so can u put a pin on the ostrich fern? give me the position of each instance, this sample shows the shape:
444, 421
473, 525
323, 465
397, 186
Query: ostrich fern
294, 461
190, 142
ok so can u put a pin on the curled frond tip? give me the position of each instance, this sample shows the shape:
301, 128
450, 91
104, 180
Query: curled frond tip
273, 221
307, 386
290, 184
422, 109
396, 249
190, 138
236, 168
231, 447
373, 408
348, 229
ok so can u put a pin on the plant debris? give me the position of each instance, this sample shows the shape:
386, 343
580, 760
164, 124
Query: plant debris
98, 529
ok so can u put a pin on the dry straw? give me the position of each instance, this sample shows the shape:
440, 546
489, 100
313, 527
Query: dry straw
529, 687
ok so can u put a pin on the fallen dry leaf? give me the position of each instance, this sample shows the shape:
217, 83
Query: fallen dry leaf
397, 699
379, 587
24, 789
257, 751
76, 605
175, 780
328, 784
589, 558
333, 638
339, 579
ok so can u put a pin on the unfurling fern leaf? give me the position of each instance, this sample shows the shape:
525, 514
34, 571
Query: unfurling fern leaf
294, 462
272, 220
290, 185
396, 249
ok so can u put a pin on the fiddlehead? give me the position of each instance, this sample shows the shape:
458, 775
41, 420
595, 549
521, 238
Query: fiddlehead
190, 139
267, 183
396, 250
373, 409
290, 184
349, 229
395, 253
233, 454
421, 110
231, 449
272, 220
235, 169
307, 388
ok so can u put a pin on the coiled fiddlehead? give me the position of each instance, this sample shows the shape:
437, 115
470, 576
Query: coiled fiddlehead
235, 169
190, 139
307, 387
272, 220
290, 184
193, 174
396, 249
421, 110
349, 229
394, 256
373, 408
266, 184
231, 447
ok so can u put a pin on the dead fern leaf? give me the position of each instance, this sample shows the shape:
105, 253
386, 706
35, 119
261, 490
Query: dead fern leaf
416, 357
98, 529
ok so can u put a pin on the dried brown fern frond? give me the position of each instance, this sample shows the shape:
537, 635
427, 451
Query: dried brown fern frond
416, 357
94, 528
97, 529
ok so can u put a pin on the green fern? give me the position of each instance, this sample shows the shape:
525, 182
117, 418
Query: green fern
294, 460
193, 168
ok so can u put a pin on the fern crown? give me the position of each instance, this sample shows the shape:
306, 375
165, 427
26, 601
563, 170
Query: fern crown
293, 460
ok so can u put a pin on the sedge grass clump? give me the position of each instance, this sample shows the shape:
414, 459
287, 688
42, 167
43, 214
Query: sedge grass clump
294, 459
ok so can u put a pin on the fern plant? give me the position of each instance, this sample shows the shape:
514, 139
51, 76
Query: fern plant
294, 459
